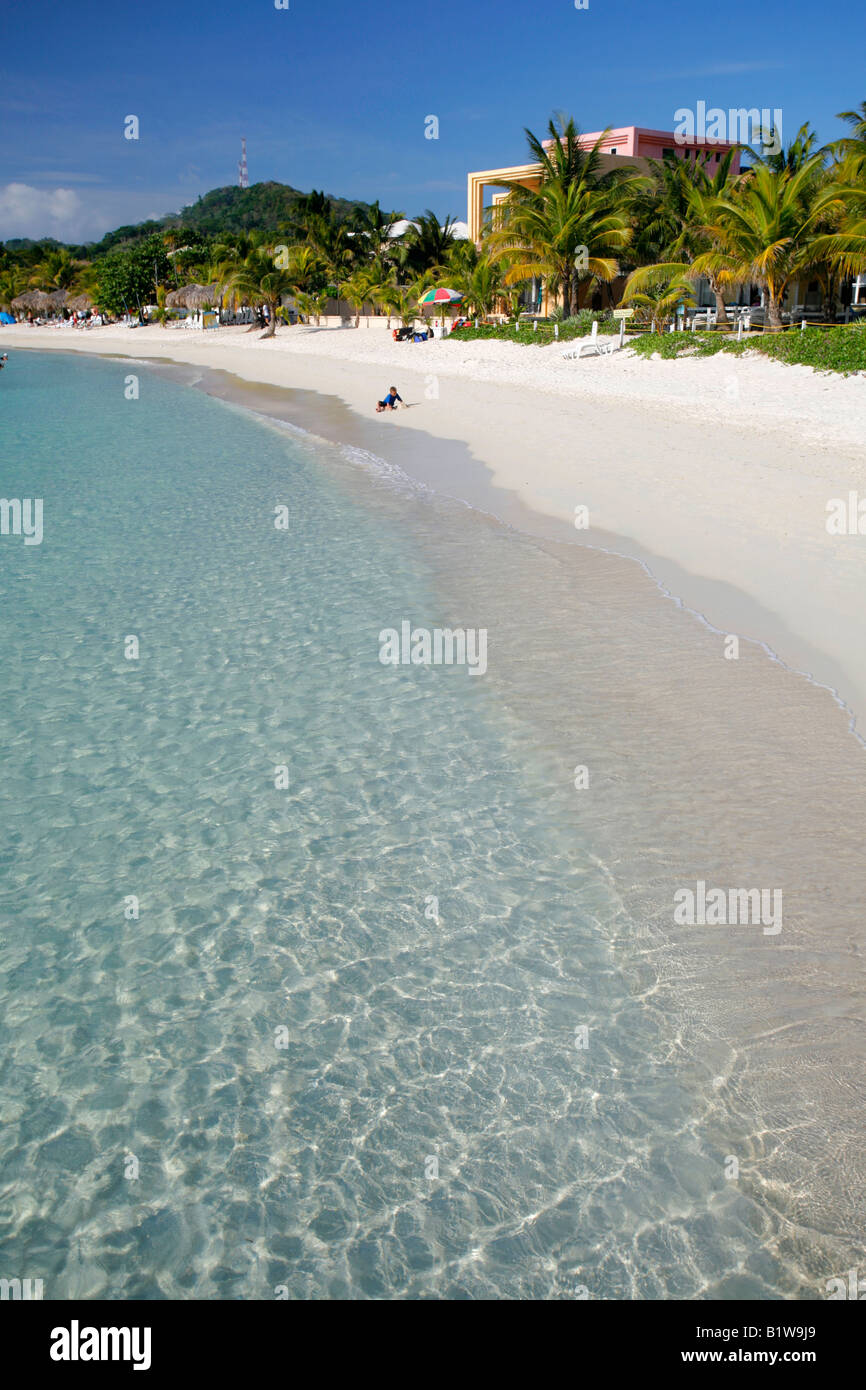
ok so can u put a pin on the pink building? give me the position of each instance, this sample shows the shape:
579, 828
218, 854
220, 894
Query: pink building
639, 142
632, 144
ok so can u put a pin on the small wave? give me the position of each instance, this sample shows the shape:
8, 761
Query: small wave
383, 470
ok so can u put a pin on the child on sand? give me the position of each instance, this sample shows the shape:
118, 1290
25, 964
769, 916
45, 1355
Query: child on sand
390, 401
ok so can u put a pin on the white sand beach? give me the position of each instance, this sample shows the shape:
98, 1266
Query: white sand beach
715, 473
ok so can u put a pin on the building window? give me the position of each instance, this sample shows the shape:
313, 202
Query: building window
669, 154
613, 150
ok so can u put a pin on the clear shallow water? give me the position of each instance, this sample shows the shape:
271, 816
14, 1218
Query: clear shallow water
309, 1167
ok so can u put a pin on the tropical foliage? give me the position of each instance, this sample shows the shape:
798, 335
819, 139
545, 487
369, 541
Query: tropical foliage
570, 229
588, 232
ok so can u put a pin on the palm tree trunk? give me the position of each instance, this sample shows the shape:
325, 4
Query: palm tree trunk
721, 312
828, 307
272, 326
774, 311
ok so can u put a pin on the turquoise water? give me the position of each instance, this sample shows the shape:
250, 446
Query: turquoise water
289, 1074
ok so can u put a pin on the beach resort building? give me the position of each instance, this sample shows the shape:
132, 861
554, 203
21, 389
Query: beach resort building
623, 145
631, 144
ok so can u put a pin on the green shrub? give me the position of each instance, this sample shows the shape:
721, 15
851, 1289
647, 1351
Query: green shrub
841, 349
578, 326
826, 349
669, 345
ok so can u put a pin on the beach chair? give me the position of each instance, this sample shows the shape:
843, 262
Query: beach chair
601, 347
704, 319
593, 346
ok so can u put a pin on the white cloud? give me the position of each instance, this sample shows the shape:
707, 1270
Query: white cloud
74, 215
34, 212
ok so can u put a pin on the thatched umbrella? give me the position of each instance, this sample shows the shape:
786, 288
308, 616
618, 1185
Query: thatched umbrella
32, 301
194, 297
80, 303
203, 296
56, 300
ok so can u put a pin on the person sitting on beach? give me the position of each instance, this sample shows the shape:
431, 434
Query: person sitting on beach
390, 401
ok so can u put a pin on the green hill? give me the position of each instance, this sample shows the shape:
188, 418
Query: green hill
262, 207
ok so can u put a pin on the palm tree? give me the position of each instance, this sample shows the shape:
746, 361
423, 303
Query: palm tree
766, 230
355, 289
372, 227
313, 305
426, 244
799, 152
13, 281
404, 300
303, 269
564, 236
381, 289
256, 282
480, 286
570, 229
659, 208
563, 159
855, 143
660, 297
685, 196
56, 270
332, 244
845, 243
463, 257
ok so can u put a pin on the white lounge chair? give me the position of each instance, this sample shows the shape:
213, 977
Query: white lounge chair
593, 346
601, 347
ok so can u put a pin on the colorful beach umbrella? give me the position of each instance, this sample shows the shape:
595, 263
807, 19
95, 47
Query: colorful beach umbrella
441, 297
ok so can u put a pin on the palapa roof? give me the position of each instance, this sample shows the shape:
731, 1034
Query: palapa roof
194, 297
203, 296
31, 299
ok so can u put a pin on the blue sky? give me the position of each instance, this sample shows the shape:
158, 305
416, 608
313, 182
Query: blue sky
332, 94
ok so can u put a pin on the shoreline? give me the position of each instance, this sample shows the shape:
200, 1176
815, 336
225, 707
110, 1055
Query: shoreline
730, 526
